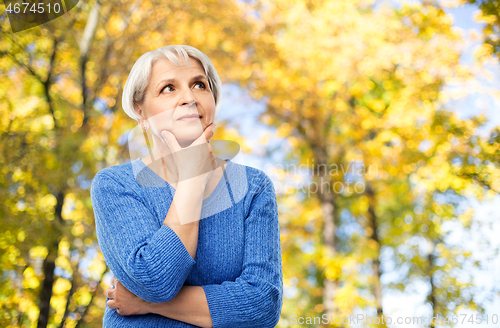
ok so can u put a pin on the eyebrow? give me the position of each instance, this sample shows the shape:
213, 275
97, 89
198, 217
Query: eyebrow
197, 77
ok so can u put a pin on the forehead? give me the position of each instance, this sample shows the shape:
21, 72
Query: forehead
163, 69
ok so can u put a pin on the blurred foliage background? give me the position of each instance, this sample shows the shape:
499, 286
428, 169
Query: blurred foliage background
355, 87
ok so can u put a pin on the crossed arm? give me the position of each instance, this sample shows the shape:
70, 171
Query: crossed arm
189, 305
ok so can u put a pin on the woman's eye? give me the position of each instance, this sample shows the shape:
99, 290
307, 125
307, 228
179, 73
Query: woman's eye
168, 86
201, 84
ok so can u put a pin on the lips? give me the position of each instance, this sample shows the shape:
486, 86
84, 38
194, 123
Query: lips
189, 116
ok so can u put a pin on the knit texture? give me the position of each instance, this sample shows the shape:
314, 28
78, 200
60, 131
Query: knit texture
238, 258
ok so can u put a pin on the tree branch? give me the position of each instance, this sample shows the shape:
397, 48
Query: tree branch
94, 293
70, 295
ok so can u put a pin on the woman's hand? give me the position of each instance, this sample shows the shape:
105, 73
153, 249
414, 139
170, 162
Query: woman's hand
197, 160
125, 303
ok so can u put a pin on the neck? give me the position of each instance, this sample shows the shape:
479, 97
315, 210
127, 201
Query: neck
161, 161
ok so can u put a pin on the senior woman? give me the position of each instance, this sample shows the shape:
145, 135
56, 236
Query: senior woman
199, 245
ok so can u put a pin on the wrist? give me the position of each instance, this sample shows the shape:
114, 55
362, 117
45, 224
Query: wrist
159, 308
151, 307
195, 185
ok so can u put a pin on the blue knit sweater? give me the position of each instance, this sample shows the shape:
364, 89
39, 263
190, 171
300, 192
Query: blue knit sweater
238, 258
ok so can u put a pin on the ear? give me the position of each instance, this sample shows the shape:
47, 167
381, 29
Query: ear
138, 109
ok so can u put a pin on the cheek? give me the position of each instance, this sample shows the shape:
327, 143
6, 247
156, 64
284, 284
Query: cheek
209, 118
161, 121
210, 112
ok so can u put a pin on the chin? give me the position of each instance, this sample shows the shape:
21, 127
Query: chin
188, 135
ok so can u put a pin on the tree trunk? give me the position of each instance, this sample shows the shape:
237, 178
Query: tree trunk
326, 199
85, 42
49, 264
97, 290
432, 297
373, 235
70, 295
330, 286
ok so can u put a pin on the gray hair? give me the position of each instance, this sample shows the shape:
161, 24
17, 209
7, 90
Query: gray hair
138, 79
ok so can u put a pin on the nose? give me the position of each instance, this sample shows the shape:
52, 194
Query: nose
188, 98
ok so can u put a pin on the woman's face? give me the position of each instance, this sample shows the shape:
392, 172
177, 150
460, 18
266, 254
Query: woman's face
174, 92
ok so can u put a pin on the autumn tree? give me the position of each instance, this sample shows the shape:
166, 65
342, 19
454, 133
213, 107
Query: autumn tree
490, 15
349, 85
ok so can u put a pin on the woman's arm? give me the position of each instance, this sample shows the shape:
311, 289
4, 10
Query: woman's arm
189, 305
184, 214
148, 258
186, 204
255, 298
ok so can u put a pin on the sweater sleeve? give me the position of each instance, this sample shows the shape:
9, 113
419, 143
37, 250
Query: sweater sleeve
148, 258
255, 298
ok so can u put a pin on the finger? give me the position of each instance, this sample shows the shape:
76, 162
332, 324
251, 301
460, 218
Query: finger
206, 135
171, 141
211, 131
112, 304
212, 157
113, 281
111, 293
213, 128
